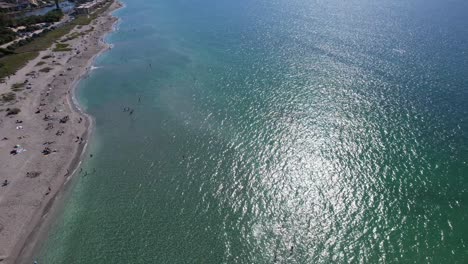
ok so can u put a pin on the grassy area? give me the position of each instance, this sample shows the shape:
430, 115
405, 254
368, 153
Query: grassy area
75, 35
45, 41
13, 111
8, 97
17, 87
83, 20
11, 63
62, 47
46, 69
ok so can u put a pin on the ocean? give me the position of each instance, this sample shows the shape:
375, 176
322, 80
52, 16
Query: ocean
274, 131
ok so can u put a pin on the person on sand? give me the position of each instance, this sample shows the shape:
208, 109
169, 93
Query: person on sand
5, 183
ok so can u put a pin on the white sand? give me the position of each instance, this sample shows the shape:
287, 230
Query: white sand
25, 201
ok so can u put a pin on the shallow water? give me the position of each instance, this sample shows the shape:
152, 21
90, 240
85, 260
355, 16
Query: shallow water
290, 131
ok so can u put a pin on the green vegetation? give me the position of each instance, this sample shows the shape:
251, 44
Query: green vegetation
6, 35
17, 87
47, 57
75, 35
83, 20
29, 49
10, 64
40, 63
30, 28
45, 41
22, 42
4, 52
46, 69
13, 111
51, 17
18, 54
8, 97
62, 47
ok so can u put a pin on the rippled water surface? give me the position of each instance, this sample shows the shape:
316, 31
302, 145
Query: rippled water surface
288, 131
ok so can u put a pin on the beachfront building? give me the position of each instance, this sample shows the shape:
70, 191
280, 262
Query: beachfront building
89, 7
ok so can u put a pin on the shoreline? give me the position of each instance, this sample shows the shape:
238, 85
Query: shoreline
36, 227
31, 246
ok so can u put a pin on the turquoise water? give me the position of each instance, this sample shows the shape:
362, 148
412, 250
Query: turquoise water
285, 131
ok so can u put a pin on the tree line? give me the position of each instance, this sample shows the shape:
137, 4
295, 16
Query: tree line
7, 35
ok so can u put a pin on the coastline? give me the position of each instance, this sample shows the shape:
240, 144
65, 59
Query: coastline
21, 234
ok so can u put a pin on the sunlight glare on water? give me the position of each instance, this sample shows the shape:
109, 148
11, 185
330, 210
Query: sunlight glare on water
275, 131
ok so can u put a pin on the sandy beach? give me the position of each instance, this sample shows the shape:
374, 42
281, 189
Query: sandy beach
43, 144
